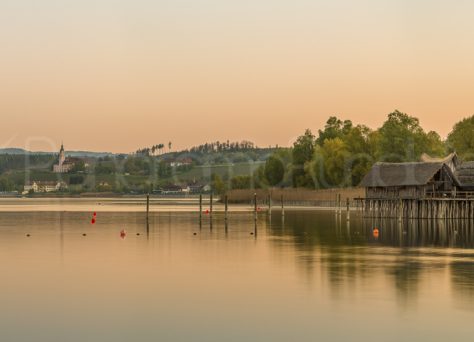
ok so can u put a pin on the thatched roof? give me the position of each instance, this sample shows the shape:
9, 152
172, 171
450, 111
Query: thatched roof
465, 173
428, 159
401, 174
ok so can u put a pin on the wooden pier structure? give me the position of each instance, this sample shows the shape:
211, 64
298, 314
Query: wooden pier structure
423, 208
429, 189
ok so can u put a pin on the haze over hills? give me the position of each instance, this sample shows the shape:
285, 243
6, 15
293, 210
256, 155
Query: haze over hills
213, 148
20, 151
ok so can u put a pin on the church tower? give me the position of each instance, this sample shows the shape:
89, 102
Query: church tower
62, 155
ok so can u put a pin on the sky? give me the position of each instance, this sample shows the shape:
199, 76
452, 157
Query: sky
118, 75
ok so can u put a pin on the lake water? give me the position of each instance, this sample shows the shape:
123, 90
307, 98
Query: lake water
309, 277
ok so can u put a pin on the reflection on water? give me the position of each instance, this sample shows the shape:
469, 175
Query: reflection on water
310, 276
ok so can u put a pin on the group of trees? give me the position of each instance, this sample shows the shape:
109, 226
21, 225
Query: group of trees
212, 153
24, 161
342, 153
133, 165
223, 146
6, 184
461, 139
151, 151
224, 153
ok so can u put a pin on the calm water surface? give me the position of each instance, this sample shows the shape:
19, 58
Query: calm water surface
308, 277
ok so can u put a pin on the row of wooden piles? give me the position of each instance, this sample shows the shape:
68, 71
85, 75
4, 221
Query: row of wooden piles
441, 208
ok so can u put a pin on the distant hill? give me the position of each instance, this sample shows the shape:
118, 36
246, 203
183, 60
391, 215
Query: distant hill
89, 154
21, 151
12, 151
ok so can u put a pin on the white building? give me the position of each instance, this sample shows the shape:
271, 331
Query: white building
64, 164
181, 162
37, 186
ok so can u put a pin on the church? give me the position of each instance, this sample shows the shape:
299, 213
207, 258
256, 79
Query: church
64, 164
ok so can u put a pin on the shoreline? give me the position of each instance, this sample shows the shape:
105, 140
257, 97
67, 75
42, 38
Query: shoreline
138, 204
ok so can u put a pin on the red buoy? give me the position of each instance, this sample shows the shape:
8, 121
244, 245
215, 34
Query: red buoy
123, 233
95, 214
376, 232
207, 211
93, 220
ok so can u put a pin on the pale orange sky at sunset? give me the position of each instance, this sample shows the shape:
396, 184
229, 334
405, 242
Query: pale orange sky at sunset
115, 76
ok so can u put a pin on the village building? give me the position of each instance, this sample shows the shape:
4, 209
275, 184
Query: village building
429, 178
199, 188
181, 162
44, 186
175, 189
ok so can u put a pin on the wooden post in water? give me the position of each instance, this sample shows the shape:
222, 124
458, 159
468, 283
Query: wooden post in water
282, 207
338, 203
200, 207
210, 205
400, 210
347, 209
147, 206
255, 205
226, 206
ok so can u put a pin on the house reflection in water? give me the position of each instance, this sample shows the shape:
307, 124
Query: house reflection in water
407, 257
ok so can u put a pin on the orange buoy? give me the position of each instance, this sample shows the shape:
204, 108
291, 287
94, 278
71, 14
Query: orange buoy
375, 232
123, 233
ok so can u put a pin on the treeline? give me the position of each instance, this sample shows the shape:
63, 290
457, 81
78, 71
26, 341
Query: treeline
342, 153
223, 146
223, 153
212, 147
211, 153
133, 165
151, 151
10, 162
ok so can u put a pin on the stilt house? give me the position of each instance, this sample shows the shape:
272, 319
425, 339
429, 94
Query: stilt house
431, 177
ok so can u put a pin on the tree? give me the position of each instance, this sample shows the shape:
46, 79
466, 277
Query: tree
137, 165
79, 166
258, 178
217, 184
461, 138
6, 184
303, 150
335, 156
402, 139
434, 146
76, 179
360, 152
164, 169
105, 168
276, 167
241, 182
334, 128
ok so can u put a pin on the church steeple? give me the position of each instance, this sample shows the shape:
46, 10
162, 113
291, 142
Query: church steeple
62, 155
